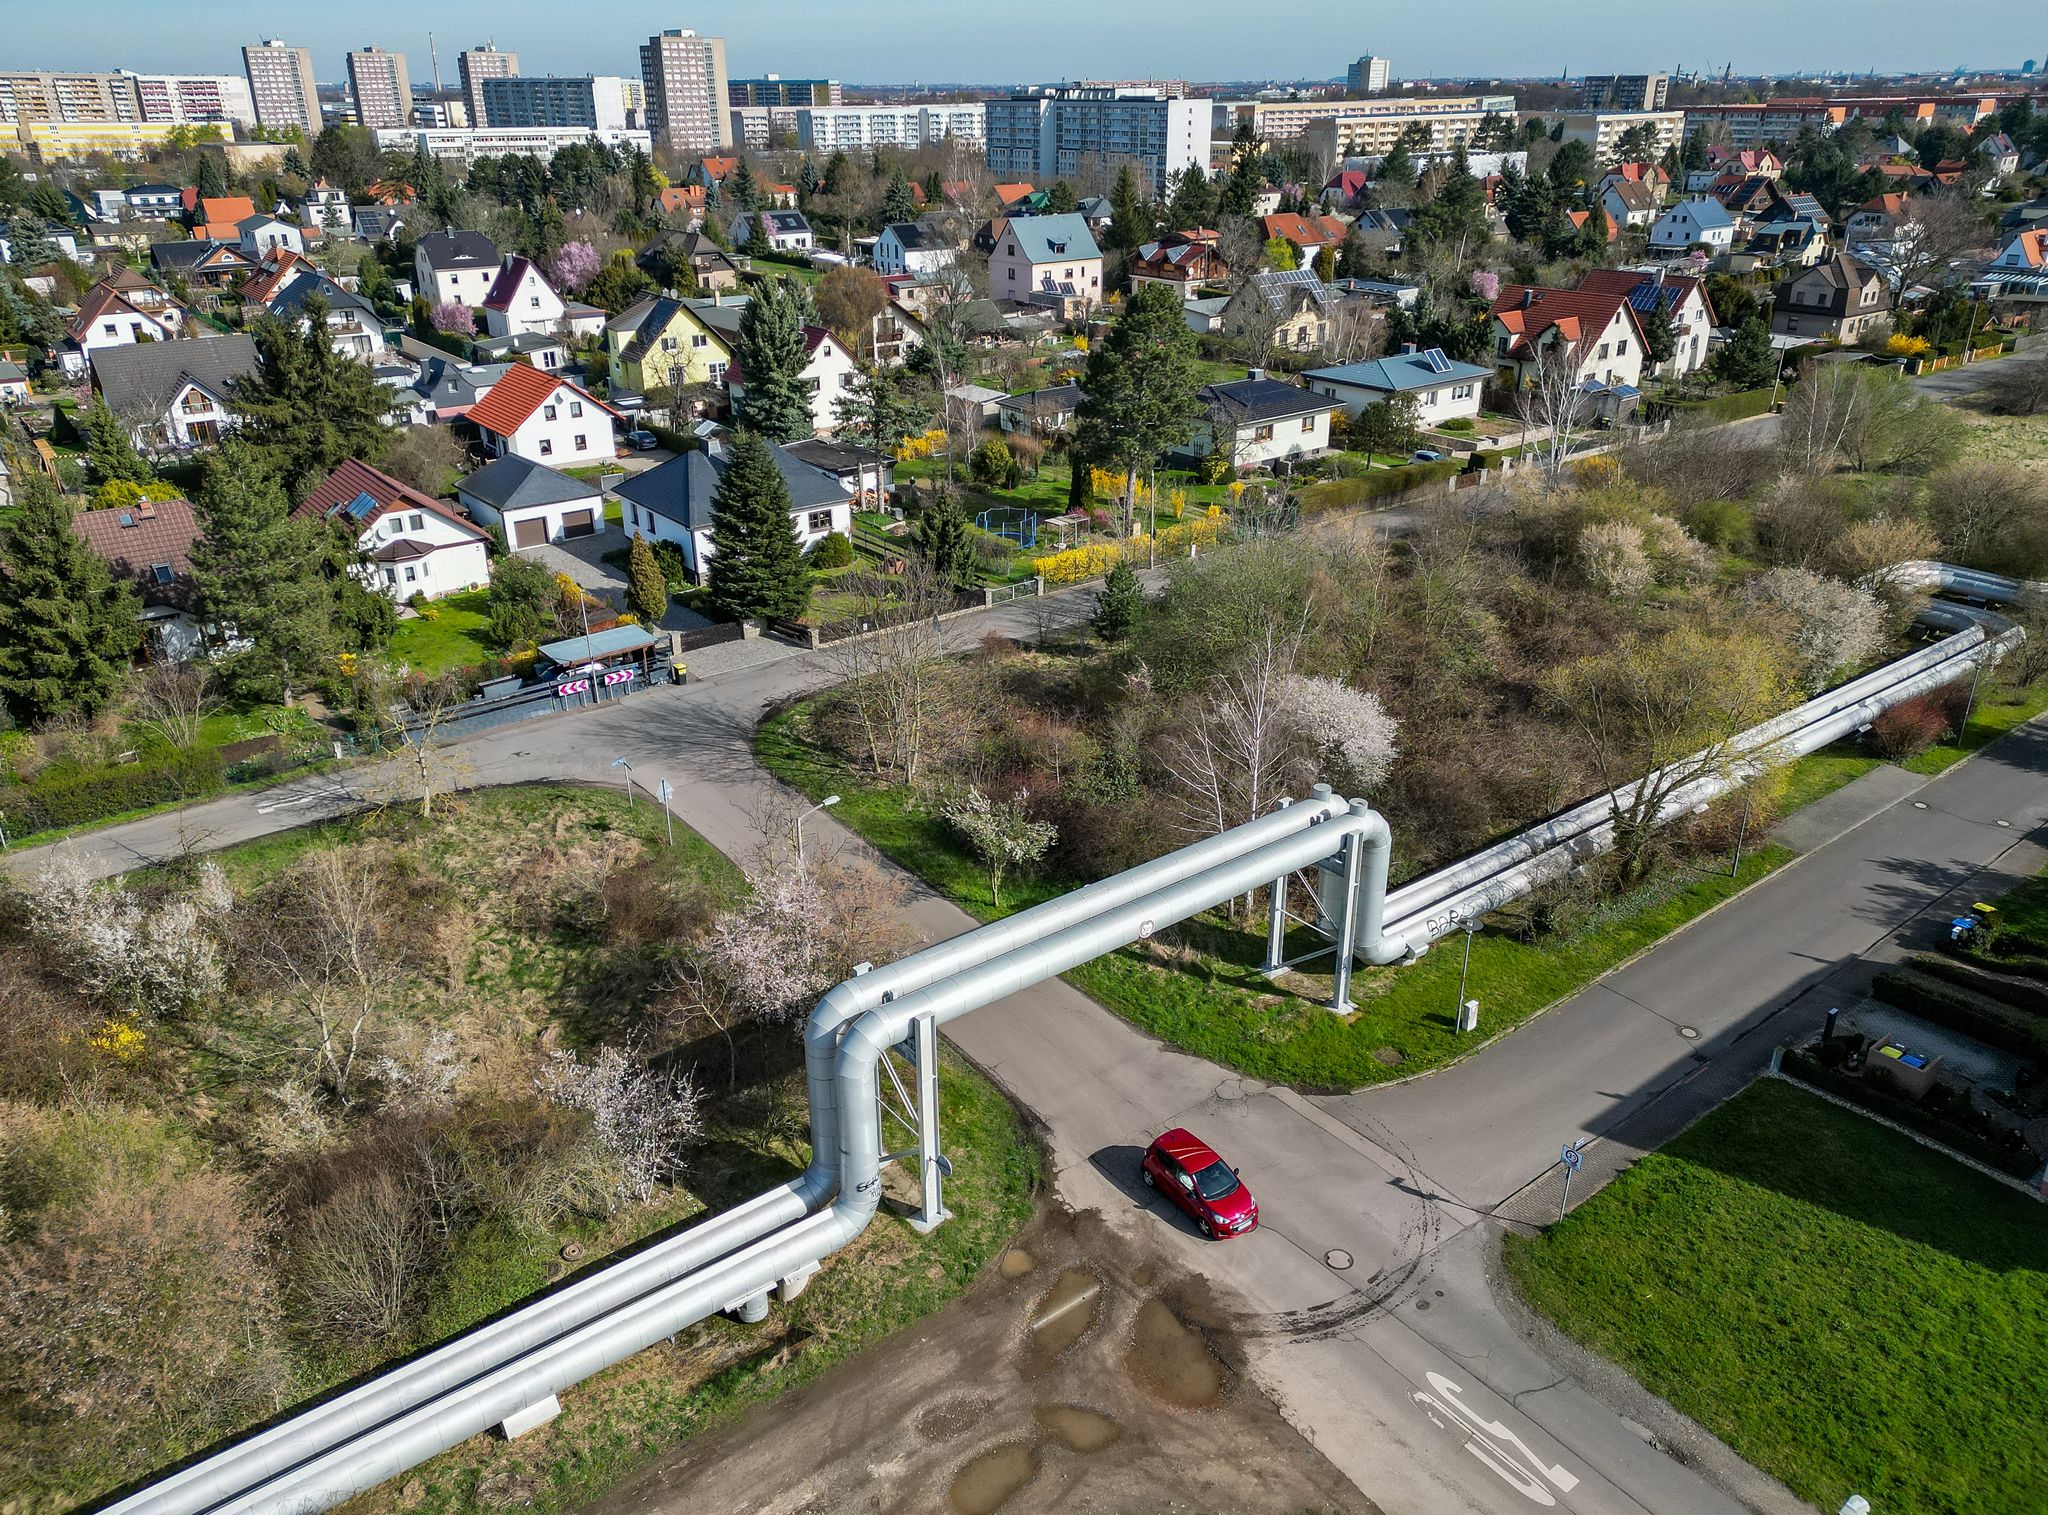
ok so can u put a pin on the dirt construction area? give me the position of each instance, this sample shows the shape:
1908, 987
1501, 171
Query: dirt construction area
1082, 1372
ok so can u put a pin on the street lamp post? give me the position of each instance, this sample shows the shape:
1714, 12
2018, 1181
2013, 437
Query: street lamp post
825, 804
1471, 929
622, 763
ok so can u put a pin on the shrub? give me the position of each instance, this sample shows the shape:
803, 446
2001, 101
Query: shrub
1719, 523
834, 550
1457, 426
62, 796
1910, 727
989, 465
1991, 1021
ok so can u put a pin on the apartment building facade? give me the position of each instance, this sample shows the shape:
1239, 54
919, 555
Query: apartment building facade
1369, 73
378, 84
858, 127
1624, 91
282, 88
194, 99
773, 89
689, 96
596, 102
475, 65
1052, 133
1602, 130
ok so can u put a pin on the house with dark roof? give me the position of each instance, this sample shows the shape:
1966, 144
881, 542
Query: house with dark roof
671, 502
410, 545
1696, 221
546, 418
213, 264
520, 299
1292, 303
455, 267
1184, 263
787, 230
1442, 387
108, 318
1040, 412
1631, 202
286, 284
530, 504
661, 342
149, 543
910, 247
1259, 422
1598, 332
174, 395
1682, 298
1839, 299
1789, 244
711, 266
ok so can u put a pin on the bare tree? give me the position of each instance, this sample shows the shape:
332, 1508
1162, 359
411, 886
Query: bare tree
1354, 331
641, 1116
174, 700
1553, 398
322, 931
1940, 232
888, 670
1237, 752
358, 1259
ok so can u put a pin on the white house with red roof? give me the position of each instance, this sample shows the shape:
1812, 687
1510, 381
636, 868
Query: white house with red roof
108, 318
521, 301
544, 418
1597, 331
830, 368
1682, 297
410, 544
2025, 252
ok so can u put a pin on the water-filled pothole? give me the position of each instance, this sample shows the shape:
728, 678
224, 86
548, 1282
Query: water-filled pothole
988, 1482
1079, 1430
1016, 1263
1064, 1315
1172, 1360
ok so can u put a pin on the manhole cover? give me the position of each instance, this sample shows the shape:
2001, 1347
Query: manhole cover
1337, 1258
1690, 1033
2006, 824
1919, 804
1422, 1304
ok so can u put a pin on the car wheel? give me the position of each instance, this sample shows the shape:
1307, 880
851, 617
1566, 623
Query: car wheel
1150, 1181
1208, 1230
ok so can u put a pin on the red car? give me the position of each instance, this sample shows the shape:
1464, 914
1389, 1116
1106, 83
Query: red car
1190, 1173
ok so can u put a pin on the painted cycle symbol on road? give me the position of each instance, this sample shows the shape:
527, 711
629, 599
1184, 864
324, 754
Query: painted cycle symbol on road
1489, 1441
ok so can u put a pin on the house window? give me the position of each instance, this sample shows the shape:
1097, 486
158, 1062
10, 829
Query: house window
1501, 345
1308, 423
717, 373
1603, 349
697, 339
1262, 433
575, 410
1621, 349
581, 444
1430, 398
391, 575
161, 572
410, 575
548, 411
1462, 392
1013, 276
846, 381
547, 447
534, 301
417, 521
113, 330
668, 344
821, 520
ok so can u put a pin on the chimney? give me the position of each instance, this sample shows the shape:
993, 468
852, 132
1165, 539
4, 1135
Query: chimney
145, 510
1254, 374
1528, 297
1407, 349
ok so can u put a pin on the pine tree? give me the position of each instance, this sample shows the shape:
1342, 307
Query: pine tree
1660, 334
773, 353
757, 565
941, 540
1139, 390
1131, 221
1748, 361
67, 628
1352, 261
646, 586
1394, 184
1060, 198
741, 188
306, 407
898, 204
212, 178
1119, 605
1193, 203
31, 244
261, 575
110, 449
934, 190
758, 244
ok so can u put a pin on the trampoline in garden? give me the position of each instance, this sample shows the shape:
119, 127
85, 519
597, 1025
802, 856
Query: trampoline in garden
1014, 522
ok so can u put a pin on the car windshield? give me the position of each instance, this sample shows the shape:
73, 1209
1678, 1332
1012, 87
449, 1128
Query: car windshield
1215, 1181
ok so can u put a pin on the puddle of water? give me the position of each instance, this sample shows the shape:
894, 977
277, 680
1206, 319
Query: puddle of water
1016, 1263
1142, 1275
1079, 1430
988, 1481
950, 1418
1172, 1360
1064, 1315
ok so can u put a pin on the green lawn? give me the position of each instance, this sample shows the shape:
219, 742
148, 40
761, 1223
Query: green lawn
457, 637
1998, 711
1849, 1310
1198, 987
1820, 774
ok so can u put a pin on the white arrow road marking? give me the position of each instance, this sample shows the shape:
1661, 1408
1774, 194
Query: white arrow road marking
304, 799
1482, 1438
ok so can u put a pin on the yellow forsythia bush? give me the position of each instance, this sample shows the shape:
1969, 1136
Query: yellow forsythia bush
1077, 565
118, 1039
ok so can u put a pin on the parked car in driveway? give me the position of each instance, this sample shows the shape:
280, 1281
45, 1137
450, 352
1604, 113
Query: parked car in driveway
1188, 1171
642, 441
1425, 455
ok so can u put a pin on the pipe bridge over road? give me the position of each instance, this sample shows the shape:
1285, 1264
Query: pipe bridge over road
509, 1372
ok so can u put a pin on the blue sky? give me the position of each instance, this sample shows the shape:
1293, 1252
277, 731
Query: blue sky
897, 41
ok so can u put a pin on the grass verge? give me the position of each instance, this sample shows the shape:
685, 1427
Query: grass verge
1850, 1311
1998, 711
455, 638
1198, 985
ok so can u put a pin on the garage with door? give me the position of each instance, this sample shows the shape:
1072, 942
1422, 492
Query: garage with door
531, 503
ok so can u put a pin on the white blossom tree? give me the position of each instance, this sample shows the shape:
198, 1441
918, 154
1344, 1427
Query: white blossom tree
1002, 833
146, 961
1836, 625
1614, 560
768, 957
1349, 729
643, 1118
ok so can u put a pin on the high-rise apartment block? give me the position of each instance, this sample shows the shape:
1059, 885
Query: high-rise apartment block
43, 96
1050, 133
773, 89
689, 101
378, 84
194, 99
1369, 74
596, 101
476, 64
281, 84
1624, 91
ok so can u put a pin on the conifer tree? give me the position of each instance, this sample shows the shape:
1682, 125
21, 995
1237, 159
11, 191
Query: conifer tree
110, 449
772, 353
67, 627
941, 540
262, 576
307, 408
646, 586
1119, 604
898, 204
757, 566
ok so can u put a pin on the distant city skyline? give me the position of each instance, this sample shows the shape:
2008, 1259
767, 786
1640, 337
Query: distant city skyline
926, 41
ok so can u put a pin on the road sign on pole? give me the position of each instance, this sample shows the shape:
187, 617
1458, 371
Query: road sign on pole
1573, 1160
662, 790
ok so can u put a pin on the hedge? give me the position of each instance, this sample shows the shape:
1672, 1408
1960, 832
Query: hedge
1739, 406
61, 797
1966, 1132
1991, 1021
2030, 997
1336, 494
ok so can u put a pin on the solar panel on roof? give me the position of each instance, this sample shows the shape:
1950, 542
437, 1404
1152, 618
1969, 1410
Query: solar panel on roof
359, 507
1435, 360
